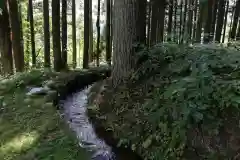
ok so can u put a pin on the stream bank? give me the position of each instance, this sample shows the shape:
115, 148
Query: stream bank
95, 139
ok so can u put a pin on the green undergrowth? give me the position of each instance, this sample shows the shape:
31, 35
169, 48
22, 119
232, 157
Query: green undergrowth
181, 103
30, 126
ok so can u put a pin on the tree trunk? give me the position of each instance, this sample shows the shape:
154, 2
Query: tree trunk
86, 33
74, 60
16, 35
220, 20
157, 27
181, 20
184, 21
21, 27
5, 41
214, 16
32, 32
108, 33
225, 22
125, 36
170, 15
199, 24
235, 20
195, 20
190, 20
175, 21
208, 24
56, 35
141, 21
98, 32
47, 61
64, 34
91, 52
149, 23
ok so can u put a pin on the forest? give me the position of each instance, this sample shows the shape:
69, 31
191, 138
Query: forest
119, 79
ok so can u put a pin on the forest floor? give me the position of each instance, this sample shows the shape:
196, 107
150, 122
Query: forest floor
30, 126
181, 103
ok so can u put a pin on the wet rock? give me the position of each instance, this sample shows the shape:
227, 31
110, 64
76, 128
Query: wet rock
38, 91
102, 157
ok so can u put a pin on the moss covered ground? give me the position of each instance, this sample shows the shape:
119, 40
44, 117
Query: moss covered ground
30, 126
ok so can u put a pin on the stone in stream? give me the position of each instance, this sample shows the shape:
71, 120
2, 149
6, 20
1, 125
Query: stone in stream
38, 91
102, 157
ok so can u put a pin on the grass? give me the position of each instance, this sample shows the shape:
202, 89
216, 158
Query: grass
31, 129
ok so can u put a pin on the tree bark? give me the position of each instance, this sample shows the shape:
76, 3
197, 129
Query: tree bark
175, 21
141, 21
16, 36
170, 15
108, 33
214, 18
125, 36
74, 60
208, 24
184, 21
181, 20
190, 20
98, 33
56, 35
220, 20
5, 41
47, 61
225, 22
235, 20
157, 24
91, 52
64, 34
32, 32
86, 33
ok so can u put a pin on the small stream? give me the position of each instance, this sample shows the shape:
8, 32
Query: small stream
75, 113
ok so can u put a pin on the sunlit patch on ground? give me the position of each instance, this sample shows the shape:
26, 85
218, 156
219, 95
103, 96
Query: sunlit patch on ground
19, 143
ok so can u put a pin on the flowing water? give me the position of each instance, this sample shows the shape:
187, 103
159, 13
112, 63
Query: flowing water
75, 113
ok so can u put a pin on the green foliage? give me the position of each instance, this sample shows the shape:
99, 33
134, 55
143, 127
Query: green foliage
191, 104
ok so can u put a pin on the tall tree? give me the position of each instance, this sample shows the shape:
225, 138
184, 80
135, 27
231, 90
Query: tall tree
190, 20
74, 60
203, 9
208, 24
175, 20
16, 35
220, 20
91, 54
225, 21
214, 18
47, 61
170, 15
98, 32
141, 21
64, 34
235, 20
86, 34
56, 35
195, 20
181, 21
125, 36
108, 32
157, 24
21, 25
5, 41
30, 6
184, 21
